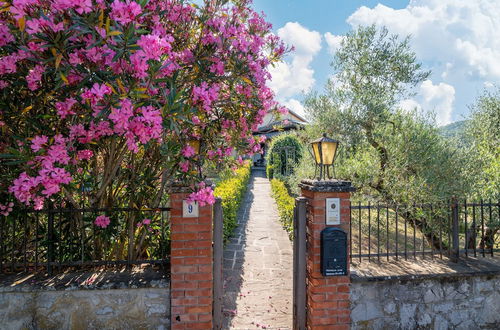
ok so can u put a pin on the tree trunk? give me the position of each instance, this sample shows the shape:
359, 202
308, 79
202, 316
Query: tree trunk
432, 239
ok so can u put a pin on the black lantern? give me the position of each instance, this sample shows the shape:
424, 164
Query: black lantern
324, 152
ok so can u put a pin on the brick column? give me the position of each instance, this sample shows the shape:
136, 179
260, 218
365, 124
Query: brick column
191, 265
328, 305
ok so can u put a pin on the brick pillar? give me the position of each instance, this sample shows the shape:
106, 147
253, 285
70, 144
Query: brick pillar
191, 265
328, 304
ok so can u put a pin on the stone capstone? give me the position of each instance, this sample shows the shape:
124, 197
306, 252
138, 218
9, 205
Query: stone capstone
327, 185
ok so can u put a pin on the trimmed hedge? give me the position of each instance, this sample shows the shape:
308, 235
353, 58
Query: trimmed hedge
286, 204
231, 190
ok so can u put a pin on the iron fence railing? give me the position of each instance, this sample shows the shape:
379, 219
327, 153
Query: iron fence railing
453, 228
34, 241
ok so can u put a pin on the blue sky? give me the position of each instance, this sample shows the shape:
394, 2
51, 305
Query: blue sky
456, 39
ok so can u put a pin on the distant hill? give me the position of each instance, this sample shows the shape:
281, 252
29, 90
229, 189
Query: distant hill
454, 130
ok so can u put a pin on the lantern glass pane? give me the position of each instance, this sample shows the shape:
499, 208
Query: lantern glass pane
317, 156
195, 144
328, 151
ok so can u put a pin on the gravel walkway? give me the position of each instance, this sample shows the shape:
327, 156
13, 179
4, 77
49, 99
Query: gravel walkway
258, 265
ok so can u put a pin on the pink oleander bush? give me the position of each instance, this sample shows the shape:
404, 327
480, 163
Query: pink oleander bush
99, 99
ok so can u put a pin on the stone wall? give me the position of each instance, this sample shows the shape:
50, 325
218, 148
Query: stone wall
426, 302
127, 308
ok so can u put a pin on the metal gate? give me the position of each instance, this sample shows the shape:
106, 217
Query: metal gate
299, 264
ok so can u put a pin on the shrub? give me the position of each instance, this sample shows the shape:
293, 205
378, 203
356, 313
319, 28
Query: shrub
111, 95
284, 153
286, 204
232, 189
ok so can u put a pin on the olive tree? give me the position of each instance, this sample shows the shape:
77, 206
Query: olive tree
392, 155
483, 132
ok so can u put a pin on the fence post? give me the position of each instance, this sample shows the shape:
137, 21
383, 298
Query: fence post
299, 265
327, 235
191, 263
455, 253
218, 258
50, 239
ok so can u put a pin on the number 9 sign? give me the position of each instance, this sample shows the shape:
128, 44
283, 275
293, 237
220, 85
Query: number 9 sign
189, 210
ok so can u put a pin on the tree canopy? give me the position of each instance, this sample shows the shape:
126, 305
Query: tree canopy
389, 153
483, 132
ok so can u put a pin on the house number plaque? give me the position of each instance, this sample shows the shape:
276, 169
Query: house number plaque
333, 211
189, 210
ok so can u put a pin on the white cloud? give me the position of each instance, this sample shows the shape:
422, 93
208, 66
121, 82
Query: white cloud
437, 98
333, 42
295, 74
488, 84
295, 106
410, 104
457, 39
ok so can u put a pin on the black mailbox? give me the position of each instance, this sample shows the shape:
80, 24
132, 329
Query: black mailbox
333, 252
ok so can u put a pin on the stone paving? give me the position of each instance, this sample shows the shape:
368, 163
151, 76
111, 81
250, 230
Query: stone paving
258, 264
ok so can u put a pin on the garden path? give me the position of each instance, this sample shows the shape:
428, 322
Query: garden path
258, 264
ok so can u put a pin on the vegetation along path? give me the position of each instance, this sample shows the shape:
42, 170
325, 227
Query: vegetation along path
258, 264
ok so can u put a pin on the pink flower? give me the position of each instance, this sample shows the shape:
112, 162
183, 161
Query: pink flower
188, 151
196, 120
102, 221
38, 203
38, 141
85, 154
125, 12
100, 90
34, 77
139, 65
6, 209
184, 166
217, 67
80, 6
205, 195
58, 153
206, 95
120, 116
96, 93
154, 46
8, 64
64, 107
51, 179
283, 110
5, 35
22, 186
146, 221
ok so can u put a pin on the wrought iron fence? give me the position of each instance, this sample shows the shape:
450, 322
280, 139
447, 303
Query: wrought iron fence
453, 229
33, 241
